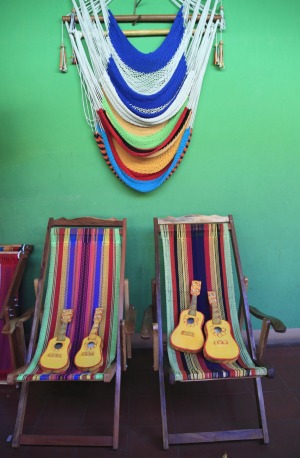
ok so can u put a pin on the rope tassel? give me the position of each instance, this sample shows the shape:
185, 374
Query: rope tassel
217, 55
221, 51
221, 55
63, 59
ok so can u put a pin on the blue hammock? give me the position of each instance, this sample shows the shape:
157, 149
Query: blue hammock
149, 62
143, 185
132, 99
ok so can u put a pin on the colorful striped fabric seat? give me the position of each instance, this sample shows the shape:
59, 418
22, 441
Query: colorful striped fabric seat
202, 252
84, 260
84, 267
13, 261
205, 249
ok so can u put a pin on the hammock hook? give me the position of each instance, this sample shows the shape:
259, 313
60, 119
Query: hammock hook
21, 250
136, 4
72, 20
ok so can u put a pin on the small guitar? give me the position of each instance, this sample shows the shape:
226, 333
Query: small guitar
56, 356
89, 357
220, 346
188, 336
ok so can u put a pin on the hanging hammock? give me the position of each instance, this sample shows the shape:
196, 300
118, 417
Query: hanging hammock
142, 106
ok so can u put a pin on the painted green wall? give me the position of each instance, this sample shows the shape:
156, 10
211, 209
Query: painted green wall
243, 159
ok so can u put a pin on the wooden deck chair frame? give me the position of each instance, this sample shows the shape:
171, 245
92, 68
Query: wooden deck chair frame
19, 438
14, 324
261, 432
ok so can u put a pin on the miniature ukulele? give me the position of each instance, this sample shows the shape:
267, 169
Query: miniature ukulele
188, 336
89, 357
56, 356
220, 345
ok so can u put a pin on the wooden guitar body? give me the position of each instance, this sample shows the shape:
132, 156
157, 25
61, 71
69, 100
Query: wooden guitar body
56, 356
89, 357
188, 336
220, 346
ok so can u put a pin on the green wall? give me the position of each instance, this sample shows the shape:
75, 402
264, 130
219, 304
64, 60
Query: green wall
243, 158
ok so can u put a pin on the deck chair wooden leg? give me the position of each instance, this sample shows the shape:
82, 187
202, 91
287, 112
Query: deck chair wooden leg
116, 426
155, 347
163, 408
261, 409
20, 415
19, 344
117, 410
162, 391
123, 346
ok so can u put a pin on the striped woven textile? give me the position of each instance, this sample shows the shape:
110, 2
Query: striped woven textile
138, 102
5, 248
149, 62
138, 181
8, 264
142, 137
84, 273
143, 152
202, 252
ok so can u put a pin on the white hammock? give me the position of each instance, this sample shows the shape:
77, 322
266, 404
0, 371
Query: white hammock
96, 82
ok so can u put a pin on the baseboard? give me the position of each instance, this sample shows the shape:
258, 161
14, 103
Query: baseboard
290, 337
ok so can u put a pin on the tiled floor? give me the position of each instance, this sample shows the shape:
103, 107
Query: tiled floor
86, 407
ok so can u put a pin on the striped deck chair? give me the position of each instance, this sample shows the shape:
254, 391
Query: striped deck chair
82, 273
13, 262
205, 249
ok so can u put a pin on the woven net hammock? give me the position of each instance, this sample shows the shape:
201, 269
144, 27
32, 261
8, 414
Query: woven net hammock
142, 106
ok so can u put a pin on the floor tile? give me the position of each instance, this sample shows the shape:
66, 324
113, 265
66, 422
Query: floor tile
86, 408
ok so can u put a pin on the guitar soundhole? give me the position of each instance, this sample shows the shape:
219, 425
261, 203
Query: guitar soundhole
58, 345
190, 321
91, 345
217, 330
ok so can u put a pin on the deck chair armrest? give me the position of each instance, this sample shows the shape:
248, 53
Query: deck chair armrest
127, 326
130, 320
11, 378
267, 321
276, 324
11, 325
150, 329
155, 347
146, 329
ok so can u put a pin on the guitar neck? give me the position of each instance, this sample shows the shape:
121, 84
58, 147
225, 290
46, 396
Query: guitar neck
97, 319
62, 332
215, 309
66, 317
193, 306
94, 329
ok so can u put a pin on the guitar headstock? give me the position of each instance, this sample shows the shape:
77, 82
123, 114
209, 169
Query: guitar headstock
195, 287
67, 315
